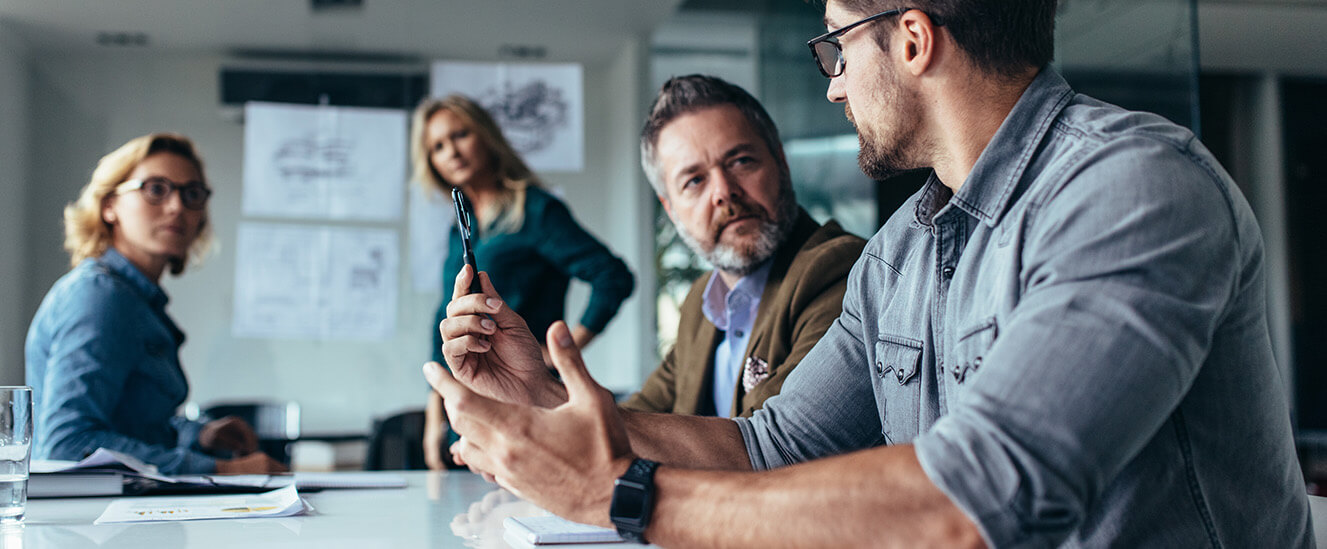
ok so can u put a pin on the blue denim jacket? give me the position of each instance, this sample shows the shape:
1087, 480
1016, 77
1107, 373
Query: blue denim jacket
1076, 344
103, 362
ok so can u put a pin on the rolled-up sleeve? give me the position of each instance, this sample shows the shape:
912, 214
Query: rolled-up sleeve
827, 406
1127, 273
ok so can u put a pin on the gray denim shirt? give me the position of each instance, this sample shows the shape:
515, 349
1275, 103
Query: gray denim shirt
1076, 344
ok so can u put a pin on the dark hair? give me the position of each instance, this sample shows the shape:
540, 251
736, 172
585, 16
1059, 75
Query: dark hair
682, 95
1002, 37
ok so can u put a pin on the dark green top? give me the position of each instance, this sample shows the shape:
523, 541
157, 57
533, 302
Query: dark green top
533, 266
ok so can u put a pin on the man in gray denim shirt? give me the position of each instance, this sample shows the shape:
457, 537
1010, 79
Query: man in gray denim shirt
1061, 340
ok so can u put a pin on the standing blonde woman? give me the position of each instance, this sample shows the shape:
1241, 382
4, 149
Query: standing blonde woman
102, 355
526, 240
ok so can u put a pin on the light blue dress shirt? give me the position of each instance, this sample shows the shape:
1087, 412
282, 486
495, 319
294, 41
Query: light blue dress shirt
734, 312
103, 362
1075, 343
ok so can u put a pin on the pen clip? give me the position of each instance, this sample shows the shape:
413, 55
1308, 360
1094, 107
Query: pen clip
462, 217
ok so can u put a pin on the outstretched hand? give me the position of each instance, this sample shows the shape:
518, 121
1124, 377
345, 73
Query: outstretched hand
563, 459
491, 350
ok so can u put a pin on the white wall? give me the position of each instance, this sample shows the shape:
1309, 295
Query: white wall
13, 187
84, 105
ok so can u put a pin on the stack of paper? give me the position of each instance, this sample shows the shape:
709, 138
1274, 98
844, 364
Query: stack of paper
75, 484
550, 529
107, 472
101, 474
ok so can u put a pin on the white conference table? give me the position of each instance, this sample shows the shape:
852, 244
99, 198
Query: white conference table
435, 510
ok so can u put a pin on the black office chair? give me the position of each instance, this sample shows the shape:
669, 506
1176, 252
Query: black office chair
276, 423
397, 443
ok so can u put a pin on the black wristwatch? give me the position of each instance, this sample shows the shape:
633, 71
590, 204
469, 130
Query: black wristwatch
633, 500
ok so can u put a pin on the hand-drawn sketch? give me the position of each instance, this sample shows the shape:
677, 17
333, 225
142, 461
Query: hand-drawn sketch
530, 115
539, 106
309, 158
315, 282
324, 162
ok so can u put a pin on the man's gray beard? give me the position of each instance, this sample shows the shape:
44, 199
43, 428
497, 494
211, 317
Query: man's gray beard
769, 236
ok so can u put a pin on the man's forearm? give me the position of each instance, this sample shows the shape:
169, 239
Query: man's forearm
693, 442
877, 497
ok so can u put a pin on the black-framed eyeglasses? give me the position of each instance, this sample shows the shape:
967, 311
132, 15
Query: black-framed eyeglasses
829, 54
156, 190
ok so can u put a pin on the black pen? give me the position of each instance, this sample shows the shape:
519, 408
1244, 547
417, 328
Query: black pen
467, 247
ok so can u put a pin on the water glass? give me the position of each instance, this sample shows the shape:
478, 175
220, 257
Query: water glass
15, 451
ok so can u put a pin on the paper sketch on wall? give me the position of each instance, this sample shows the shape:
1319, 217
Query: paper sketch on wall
315, 282
540, 107
324, 162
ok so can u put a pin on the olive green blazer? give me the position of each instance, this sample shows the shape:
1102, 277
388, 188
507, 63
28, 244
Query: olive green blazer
803, 295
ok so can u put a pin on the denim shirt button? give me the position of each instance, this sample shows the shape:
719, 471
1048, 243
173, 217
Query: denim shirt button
899, 373
879, 368
947, 271
976, 363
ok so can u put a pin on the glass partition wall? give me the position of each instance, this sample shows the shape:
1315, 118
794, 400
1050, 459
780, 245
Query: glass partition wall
1140, 54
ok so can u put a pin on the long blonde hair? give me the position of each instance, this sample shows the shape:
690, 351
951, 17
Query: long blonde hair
508, 212
88, 235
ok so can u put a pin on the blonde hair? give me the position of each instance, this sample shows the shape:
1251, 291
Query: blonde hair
508, 213
87, 234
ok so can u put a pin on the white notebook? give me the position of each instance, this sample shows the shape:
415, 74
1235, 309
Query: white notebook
547, 530
75, 484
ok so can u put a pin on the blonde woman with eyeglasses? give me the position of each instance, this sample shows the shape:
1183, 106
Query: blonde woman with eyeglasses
102, 354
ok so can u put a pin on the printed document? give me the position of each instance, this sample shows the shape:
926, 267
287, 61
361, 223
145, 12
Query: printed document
284, 502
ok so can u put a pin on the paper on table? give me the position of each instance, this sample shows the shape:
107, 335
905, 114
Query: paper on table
349, 480
283, 502
103, 459
304, 481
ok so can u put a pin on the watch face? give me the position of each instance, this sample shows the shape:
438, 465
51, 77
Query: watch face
628, 504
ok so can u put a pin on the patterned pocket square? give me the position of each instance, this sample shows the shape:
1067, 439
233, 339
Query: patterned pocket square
755, 371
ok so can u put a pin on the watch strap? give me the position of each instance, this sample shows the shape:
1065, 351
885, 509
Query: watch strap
639, 480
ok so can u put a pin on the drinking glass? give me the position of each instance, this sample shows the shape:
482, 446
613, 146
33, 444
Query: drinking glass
15, 451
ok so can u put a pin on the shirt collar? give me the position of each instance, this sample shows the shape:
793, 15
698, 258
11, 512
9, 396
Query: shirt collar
717, 294
990, 185
119, 265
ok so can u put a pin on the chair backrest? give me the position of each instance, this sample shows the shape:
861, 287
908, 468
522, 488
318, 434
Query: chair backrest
271, 420
397, 443
276, 423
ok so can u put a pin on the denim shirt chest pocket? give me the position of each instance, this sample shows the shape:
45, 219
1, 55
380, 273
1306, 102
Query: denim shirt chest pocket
898, 389
970, 348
